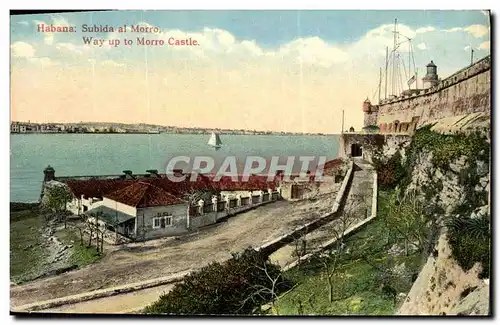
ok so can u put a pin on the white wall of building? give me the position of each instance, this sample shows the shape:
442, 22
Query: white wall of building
127, 209
145, 221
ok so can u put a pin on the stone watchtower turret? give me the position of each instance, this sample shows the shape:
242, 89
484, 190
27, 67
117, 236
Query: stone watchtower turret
370, 113
49, 174
431, 78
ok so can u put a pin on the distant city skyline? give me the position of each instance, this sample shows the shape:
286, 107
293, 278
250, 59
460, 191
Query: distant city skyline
292, 71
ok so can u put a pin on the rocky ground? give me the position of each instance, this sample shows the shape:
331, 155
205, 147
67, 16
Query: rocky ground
443, 288
56, 255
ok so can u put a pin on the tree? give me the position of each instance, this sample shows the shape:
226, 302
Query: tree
410, 220
237, 286
81, 228
57, 198
330, 261
102, 231
194, 195
91, 224
269, 290
300, 248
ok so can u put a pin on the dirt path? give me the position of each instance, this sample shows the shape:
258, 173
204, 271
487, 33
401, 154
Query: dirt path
139, 262
358, 208
119, 304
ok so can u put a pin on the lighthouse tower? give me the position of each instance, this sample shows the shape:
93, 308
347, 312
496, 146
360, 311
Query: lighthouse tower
431, 78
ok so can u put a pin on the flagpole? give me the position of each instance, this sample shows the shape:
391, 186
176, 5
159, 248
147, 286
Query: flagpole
342, 131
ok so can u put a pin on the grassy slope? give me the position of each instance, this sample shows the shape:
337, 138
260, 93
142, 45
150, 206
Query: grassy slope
24, 232
81, 255
357, 285
28, 257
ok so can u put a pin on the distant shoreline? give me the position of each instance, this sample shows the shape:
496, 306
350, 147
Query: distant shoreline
179, 133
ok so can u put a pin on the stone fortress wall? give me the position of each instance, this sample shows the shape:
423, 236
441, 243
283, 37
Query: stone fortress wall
466, 91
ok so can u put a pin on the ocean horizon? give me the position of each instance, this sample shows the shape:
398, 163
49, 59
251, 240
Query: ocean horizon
110, 154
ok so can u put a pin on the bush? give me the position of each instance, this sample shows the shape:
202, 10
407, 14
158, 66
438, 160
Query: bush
470, 243
448, 147
236, 287
408, 220
391, 172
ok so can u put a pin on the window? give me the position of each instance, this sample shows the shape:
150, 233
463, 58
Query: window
162, 220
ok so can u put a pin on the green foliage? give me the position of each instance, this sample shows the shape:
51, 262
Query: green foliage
57, 198
81, 254
407, 219
448, 147
445, 149
470, 241
391, 172
371, 129
26, 251
237, 286
362, 283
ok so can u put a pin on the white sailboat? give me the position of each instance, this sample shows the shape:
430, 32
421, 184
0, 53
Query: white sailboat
214, 140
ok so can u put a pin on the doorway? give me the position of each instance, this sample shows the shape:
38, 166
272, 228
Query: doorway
356, 150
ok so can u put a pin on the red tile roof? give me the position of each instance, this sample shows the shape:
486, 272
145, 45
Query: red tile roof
334, 163
155, 190
143, 194
254, 183
96, 187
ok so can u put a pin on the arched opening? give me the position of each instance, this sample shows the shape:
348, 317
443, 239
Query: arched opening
356, 150
395, 129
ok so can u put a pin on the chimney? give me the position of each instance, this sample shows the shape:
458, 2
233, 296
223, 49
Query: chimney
128, 174
153, 172
178, 172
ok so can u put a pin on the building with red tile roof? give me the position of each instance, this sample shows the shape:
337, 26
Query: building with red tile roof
142, 194
154, 205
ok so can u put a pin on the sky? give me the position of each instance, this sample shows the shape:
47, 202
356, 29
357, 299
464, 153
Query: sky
292, 71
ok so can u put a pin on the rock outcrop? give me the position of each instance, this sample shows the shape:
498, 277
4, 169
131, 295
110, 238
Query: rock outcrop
443, 288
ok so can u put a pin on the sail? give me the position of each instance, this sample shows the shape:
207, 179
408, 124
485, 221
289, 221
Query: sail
214, 140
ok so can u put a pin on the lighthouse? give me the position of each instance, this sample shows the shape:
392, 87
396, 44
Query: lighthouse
431, 78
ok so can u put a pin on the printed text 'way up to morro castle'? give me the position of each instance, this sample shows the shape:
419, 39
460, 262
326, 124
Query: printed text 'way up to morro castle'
114, 42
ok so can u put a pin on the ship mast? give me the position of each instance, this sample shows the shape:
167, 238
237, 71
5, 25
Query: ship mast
386, 67
394, 63
393, 78
379, 85
397, 61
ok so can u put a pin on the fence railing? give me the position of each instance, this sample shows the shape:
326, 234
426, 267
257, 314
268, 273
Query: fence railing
233, 203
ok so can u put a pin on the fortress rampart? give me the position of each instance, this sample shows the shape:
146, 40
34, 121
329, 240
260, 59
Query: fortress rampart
466, 91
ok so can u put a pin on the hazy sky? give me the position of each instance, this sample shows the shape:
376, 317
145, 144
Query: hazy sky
272, 70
